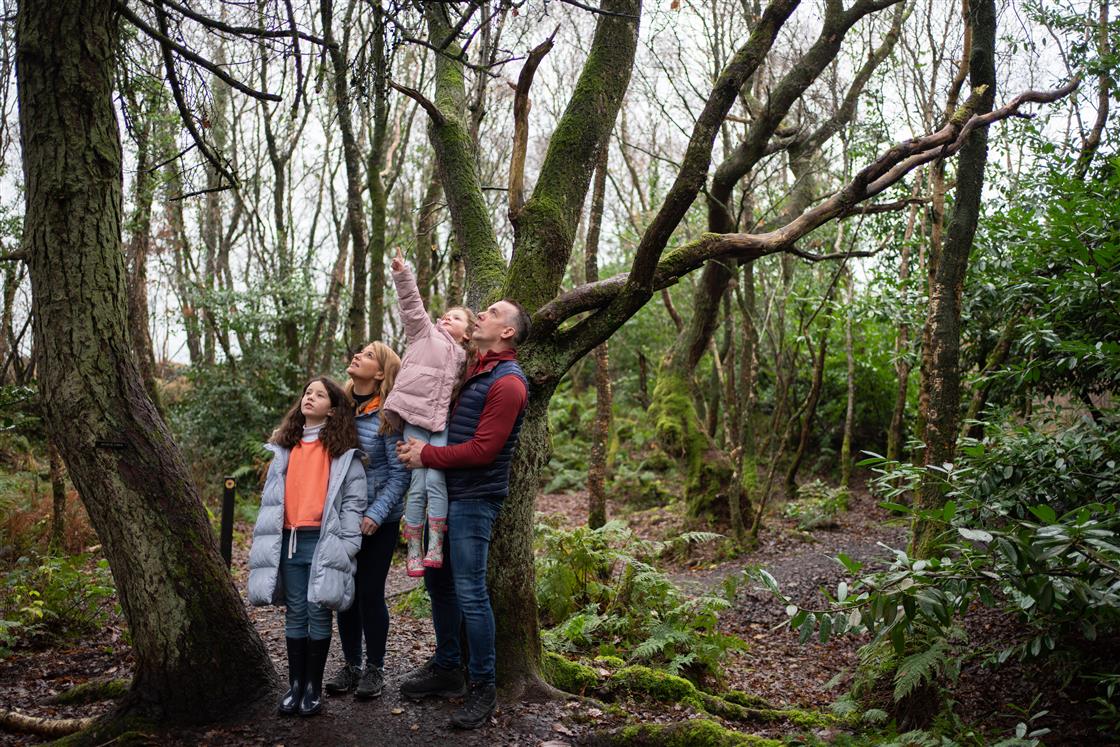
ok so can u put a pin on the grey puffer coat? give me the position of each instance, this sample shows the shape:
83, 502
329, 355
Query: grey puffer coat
340, 537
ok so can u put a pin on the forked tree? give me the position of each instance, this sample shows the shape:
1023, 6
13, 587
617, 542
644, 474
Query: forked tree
197, 654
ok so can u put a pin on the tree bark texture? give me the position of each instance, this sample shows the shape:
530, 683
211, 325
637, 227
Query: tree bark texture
941, 399
352, 158
197, 654
601, 429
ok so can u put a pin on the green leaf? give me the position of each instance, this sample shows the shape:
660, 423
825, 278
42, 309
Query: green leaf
948, 512
1044, 513
976, 535
853, 566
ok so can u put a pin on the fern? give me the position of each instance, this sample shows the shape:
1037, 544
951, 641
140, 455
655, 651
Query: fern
919, 667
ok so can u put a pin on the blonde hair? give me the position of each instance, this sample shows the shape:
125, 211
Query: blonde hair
390, 364
472, 322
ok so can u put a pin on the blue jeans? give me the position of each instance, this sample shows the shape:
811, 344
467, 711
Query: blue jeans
302, 619
427, 488
458, 590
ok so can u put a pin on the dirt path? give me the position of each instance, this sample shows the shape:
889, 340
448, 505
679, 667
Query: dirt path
775, 666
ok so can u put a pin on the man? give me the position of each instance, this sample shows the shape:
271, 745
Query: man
481, 436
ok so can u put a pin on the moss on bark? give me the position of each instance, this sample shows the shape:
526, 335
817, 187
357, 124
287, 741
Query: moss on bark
679, 431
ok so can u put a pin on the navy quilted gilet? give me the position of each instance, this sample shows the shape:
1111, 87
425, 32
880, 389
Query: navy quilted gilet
491, 481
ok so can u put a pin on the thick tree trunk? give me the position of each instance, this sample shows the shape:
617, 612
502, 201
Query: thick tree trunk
941, 398
197, 654
511, 577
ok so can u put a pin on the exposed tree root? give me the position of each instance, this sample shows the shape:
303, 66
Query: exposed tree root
43, 727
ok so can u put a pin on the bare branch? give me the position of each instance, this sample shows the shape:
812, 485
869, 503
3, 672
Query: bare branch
880, 174
598, 11
243, 31
521, 106
167, 43
184, 111
17, 256
427, 104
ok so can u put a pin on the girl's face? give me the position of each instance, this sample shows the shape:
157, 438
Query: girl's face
456, 323
364, 366
316, 404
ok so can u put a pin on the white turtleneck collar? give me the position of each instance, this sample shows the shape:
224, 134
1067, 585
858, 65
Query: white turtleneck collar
311, 432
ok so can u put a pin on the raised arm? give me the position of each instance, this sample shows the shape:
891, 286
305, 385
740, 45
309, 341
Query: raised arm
417, 323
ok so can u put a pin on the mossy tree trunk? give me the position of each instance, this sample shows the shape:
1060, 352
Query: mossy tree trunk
941, 381
197, 654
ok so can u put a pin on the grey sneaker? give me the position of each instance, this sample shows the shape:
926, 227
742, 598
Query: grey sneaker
371, 683
344, 680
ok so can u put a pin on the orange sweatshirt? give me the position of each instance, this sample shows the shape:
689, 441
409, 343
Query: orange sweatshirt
305, 486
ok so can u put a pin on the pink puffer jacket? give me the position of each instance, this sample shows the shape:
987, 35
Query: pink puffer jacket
431, 366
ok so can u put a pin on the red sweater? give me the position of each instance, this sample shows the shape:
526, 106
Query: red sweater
504, 402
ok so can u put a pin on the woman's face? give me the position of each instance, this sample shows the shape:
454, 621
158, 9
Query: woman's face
455, 322
364, 366
316, 404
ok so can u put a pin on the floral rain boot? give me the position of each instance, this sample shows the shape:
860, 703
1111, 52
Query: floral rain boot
414, 565
436, 529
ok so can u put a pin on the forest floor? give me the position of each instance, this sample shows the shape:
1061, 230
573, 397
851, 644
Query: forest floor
775, 666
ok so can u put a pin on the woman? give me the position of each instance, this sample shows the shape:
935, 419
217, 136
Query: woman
372, 372
307, 533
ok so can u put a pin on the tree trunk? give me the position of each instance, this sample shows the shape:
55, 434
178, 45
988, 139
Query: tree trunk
850, 410
352, 158
426, 246
601, 430
58, 499
197, 654
140, 225
378, 194
941, 397
807, 419
511, 577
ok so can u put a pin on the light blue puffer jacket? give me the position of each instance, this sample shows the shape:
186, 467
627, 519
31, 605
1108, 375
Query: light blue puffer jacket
340, 537
387, 479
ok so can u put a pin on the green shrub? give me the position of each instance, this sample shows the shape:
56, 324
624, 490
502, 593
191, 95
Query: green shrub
599, 593
817, 506
54, 598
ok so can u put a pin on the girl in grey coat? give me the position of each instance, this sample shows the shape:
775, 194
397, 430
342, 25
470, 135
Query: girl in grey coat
308, 532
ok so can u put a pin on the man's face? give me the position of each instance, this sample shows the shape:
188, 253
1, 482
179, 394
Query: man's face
493, 324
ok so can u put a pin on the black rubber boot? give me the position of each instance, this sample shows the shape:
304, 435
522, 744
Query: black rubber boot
297, 665
312, 701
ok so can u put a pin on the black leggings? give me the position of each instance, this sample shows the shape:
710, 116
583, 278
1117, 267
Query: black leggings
369, 614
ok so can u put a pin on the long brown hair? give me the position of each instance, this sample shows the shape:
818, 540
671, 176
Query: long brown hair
339, 433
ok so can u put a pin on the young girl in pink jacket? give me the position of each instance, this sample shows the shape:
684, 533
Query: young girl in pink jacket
430, 372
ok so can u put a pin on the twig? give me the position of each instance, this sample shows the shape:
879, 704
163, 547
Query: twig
598, 11
242, 31
168, 43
